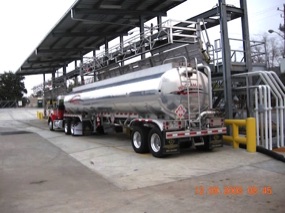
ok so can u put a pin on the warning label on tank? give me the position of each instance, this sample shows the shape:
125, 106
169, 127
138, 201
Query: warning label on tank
180, 111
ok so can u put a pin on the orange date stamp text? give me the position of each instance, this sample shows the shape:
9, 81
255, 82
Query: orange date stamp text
233, 190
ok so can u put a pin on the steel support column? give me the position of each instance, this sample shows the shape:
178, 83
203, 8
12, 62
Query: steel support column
81, 71
247, 54
75, 76
142, 36
52, 84
94, 72
159, 21
226, 60
107, 50
44, 96
122, 48
64, 78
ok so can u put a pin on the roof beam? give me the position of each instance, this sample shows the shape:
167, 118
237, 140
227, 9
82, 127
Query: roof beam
118, 12
41, 67
53, 60
159, 3
32, 72
215, 12
235, 10
85, 34
47, 50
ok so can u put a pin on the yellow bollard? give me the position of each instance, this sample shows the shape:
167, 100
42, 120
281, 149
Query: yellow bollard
235, 136
251, 134
40, 115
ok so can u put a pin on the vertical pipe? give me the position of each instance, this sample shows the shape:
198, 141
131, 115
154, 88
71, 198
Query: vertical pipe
269, 115
257, 116
208, 71
261, 119
265, 116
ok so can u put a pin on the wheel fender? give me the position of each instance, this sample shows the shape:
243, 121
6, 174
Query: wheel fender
150, 122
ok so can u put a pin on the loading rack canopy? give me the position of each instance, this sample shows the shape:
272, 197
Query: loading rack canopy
86, 26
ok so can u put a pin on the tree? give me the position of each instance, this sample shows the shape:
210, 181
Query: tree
12, 86
270, 52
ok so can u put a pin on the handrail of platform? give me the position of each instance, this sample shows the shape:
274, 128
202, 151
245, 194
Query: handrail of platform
236, 139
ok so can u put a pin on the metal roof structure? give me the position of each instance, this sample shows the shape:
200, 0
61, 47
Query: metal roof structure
86, 26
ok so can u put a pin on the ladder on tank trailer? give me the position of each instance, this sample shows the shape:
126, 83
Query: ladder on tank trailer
188, 83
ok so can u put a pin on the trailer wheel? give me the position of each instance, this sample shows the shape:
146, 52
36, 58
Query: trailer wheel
139, 140
100, 130
50, 125
72, 128
156, 142
67, 127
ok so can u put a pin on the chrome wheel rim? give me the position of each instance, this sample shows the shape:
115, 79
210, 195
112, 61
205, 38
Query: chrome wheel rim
137, 140
155, 142
50, 125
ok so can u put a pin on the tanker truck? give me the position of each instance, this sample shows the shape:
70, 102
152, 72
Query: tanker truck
160, 107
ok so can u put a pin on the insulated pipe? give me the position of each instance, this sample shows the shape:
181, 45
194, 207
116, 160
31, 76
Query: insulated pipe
256, 115
208, 70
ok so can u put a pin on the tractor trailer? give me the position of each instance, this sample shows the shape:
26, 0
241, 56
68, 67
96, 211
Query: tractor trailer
160, 107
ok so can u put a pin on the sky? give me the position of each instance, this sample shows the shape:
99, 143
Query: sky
25, 23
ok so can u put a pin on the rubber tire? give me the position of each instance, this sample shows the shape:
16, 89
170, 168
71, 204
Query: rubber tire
50, 125
100, 130
71, 130
155, 136
67, 127
141, 146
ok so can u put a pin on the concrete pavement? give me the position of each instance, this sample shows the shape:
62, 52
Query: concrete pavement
42, 171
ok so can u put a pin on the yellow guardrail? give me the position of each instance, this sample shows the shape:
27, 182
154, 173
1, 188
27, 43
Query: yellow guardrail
40, 115
236, 139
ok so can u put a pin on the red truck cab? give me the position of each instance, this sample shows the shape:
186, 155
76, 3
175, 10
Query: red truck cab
55, 120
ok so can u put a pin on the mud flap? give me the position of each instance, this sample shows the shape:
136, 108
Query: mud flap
171, 146
215, 141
